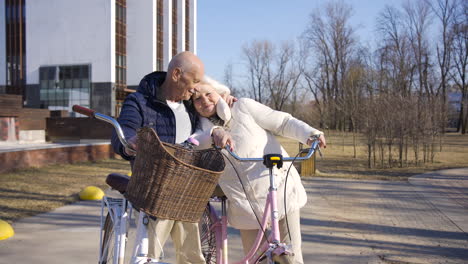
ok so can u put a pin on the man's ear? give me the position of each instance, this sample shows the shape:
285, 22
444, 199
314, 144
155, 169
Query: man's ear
176, 73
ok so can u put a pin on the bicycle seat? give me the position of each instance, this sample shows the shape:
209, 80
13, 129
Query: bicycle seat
118, 181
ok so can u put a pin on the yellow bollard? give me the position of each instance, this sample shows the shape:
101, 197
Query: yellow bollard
91, 193
6, 231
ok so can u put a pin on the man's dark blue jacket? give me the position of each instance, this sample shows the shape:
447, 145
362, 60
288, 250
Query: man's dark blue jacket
148, 107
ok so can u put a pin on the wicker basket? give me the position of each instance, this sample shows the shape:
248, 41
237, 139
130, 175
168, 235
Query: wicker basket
172, 182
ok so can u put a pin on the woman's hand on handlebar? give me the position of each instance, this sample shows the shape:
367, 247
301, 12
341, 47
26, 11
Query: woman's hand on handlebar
221, 138
321, 139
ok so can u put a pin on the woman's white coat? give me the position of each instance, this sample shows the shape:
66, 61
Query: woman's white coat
253, 127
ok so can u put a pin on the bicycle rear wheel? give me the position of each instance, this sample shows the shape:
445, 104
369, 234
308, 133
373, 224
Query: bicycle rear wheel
108, 242
208, 236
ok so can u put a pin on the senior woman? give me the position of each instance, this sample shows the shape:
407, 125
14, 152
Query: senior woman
253, 127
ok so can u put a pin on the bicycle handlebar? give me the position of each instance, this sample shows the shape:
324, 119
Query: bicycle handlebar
93, 114
310, 151
118, 129
83, 110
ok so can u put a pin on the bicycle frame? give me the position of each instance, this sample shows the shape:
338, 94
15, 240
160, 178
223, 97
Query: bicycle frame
117, 209
270, 213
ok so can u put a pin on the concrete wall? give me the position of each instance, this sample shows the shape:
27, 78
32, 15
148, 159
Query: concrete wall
62, 32
68, 32
2, 47
141, 40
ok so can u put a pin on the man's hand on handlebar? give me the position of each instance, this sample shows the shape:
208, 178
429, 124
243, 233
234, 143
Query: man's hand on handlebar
132, 143
221, 138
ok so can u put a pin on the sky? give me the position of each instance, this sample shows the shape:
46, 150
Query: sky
224, 26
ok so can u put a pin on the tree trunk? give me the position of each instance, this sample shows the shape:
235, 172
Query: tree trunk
369, 156
354, 143
400, 153
461, 119
390, 154
465, 119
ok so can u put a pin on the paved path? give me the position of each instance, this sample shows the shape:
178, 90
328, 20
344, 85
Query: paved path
361, 221
345, 221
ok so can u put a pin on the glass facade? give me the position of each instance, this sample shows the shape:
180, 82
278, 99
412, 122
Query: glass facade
61, 87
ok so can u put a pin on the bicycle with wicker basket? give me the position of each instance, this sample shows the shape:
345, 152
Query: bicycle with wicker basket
168, 181
183, 196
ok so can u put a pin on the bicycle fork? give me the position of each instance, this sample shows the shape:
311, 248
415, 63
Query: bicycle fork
117, 210
274, 247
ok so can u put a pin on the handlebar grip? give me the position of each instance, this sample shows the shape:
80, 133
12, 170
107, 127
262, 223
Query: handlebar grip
83, 110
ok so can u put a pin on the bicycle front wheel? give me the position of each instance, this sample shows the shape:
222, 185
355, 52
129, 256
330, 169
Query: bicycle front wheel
108, 242
208, 236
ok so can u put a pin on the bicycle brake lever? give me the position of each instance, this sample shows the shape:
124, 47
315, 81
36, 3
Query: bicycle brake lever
320, 152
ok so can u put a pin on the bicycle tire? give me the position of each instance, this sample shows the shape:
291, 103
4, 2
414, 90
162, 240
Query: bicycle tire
207, 236
108, 241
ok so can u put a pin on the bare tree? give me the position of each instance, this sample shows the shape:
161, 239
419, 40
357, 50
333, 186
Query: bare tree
393, 54
460, 61
274, 72
417, 14
401, 106
316, 86
331, 37
283, 73
354, 86
229, 80
445, 12
256, 55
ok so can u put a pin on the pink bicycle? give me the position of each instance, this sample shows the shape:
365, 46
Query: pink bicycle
214, 226
116, 213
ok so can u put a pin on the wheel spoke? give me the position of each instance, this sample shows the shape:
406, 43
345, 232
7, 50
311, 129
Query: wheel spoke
208, 237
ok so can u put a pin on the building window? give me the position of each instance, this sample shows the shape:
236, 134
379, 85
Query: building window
159, 36
187, 25
174, 27
15, 46
61, 87
120, 51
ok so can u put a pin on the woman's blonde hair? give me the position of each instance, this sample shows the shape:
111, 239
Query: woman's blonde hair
217, 86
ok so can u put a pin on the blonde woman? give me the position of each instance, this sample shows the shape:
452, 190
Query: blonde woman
253, 127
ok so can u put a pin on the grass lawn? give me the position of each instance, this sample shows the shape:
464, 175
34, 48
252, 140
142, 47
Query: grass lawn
37, 190
338, 160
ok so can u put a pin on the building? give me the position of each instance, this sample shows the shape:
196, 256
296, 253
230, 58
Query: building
57, 53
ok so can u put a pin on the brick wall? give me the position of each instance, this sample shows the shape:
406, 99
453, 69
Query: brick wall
50, 156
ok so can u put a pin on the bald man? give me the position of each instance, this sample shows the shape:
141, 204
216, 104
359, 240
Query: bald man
162, 102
